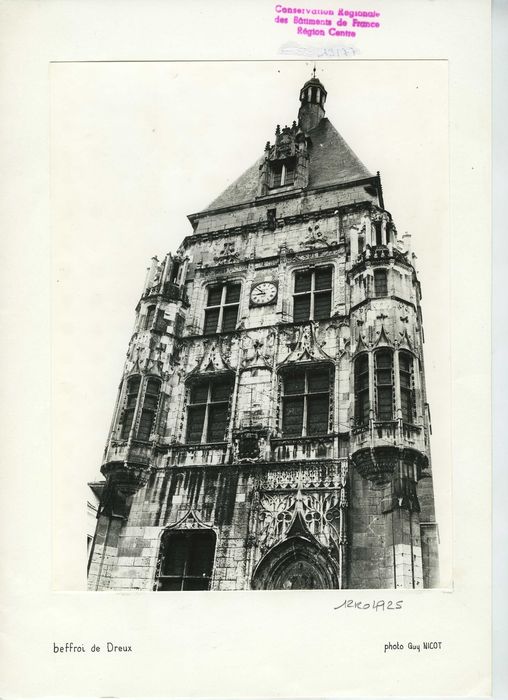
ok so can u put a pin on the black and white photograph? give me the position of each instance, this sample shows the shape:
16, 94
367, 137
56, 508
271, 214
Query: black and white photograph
247, 322
272, 424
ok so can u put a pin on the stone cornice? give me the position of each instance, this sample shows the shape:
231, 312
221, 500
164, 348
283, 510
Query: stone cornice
291, 194
287, 220
260, 263
241, 331
370, 299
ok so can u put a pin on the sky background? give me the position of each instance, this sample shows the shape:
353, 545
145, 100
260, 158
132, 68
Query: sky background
136, 147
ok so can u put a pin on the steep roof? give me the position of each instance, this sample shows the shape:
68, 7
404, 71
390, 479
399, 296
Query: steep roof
331, 161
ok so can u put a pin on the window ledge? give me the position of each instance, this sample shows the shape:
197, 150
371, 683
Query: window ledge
198, 445
303, 438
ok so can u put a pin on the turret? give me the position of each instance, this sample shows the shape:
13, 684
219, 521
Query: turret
312, 107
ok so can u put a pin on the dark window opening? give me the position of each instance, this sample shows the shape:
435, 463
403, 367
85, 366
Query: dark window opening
283, 173
277, 174
312, 297
175, 270
133, 385
384, 384
150, 315
248, 446
208, 411
149, 409
362, 404
186, 562
179, 321
380, 283
271, 217
221, 312
379, 232
406, 386
306, 402
160, 325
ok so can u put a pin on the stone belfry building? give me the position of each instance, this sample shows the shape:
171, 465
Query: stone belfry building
271, 429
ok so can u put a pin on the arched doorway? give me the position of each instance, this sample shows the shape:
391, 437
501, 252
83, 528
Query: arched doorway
296, 564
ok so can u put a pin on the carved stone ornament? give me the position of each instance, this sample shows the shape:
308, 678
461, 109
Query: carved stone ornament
383, 338
254, 354
316, 514
190, 521
144, 358
212, 360
405, 341
227, 254
315, 237
307, 347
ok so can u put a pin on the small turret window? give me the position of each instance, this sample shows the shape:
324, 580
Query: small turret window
378, 228
149, 409
384, 385
133, 385
406, 386
362, 404
380, 283
175, 272
150, 315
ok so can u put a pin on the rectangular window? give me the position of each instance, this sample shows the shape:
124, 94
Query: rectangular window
130, 406
380, 283
175, 271
384, 384
289, 174
406, 386
362, 404
208, 410
150, 315
186, 561
277, 174
221, 312
150, 403
312, 297
306, 402
283, 173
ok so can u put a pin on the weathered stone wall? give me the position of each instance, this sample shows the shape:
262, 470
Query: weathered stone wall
370, 540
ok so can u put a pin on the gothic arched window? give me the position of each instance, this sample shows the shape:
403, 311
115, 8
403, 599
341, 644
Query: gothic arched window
306, 401
406, 386
186, 560
383, 360
362, 403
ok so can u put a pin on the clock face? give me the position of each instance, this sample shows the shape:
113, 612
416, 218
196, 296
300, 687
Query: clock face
263, 293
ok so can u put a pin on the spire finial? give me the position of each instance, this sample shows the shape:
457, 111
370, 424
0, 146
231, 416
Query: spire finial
314, 71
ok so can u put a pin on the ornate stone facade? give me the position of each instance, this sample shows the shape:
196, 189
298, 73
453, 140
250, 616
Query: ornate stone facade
271, 428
